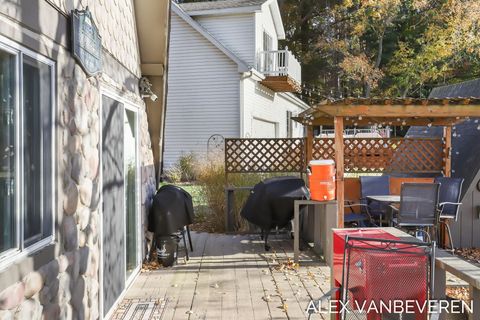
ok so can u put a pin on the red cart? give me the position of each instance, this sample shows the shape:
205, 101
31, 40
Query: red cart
379, 272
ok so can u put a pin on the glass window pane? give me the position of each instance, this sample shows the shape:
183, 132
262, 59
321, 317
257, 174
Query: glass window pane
37, 104
130, 189
7, 150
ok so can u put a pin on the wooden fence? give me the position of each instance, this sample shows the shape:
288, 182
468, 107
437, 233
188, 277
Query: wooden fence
362, 155
264, 155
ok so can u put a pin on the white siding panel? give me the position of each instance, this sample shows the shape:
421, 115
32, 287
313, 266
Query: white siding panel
236, 32
203, 93
262, 103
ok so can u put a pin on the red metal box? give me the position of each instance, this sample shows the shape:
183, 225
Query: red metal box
378, 275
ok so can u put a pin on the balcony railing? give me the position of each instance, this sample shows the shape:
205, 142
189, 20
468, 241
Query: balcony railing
279, 63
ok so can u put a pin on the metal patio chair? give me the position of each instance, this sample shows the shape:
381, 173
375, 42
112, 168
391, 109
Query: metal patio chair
374, 186
383, 271
358, 219
418, 208
449, 202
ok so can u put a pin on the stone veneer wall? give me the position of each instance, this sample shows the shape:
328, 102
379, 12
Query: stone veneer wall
68, 287
115, 20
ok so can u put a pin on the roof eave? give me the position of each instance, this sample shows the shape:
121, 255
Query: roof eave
224, 11
277, 18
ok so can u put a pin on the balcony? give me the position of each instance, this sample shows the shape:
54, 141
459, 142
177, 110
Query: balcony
282, 70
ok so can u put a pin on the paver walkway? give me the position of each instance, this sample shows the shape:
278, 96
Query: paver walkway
232, 277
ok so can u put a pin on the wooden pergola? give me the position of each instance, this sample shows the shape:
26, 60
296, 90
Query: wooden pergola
387, 112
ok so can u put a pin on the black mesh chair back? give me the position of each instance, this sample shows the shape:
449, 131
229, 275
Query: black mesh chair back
450, 193
418, 205
374, 186
381, 271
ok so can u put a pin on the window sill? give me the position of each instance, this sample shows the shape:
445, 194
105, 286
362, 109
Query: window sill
16, 256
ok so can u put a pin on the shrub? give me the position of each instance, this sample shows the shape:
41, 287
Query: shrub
185, 170
173, 174
188, 167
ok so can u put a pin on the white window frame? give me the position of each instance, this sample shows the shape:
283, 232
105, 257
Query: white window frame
21, 251
129, 278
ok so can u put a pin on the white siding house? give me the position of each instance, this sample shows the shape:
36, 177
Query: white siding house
227, 77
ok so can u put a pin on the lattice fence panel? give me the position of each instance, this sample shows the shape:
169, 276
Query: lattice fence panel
264, 155
417, 155
323, 149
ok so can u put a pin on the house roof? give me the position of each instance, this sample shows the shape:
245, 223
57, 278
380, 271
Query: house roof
392, 111
235, 7
242, 65
221, 4
465, 159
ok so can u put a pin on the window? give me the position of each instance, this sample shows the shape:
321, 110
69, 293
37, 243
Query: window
267, 42
267, 46
26, 150
130, 163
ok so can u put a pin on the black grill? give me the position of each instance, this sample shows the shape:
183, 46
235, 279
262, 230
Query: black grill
270, 203
171, 214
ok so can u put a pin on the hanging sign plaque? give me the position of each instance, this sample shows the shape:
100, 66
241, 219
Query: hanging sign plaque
86, 42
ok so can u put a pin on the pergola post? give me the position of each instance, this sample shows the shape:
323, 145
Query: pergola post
447, 171
447, 136
309, 146
339, 162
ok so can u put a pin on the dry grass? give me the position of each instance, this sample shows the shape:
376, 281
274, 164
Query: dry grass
211, 178
206, 183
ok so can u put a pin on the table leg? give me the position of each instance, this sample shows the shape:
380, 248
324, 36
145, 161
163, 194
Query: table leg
296, 232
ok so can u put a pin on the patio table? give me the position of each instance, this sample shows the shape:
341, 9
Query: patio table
387, 200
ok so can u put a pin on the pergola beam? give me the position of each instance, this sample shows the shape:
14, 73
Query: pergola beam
398, 111
368, 121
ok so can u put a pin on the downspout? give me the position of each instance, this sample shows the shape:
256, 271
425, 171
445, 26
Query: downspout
244, 77
165, 91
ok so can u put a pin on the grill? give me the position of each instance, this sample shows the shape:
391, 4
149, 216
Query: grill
270, 204
170, 216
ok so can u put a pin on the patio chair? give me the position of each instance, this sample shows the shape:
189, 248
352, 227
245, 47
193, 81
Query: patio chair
418, 208
374, 186
384, 271
360, 219
449, 202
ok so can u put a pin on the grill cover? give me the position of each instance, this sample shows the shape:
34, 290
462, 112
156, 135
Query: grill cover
172, 209
270, 203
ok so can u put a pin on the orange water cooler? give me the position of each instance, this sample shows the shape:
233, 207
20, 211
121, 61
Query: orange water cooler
321, 178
